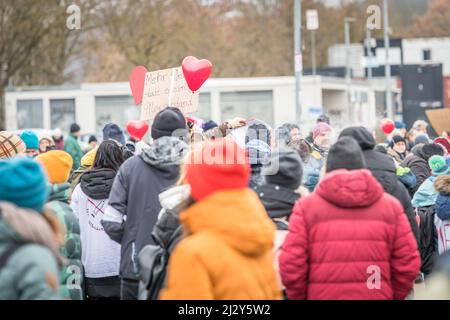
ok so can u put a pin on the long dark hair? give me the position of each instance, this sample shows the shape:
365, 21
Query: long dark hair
109, 156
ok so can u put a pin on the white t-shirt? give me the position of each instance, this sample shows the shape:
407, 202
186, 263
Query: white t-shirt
100, 255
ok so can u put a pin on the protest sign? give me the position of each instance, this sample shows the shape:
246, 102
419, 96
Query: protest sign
167, 88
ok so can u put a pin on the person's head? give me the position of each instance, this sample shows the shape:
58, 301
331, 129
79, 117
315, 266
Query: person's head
11, 145
445, 144
399, 144
109, 156
324, 118
364, 138
322, 135
75, 130
422, 139
57, 165
345, 154
401, 127
258, 131
431, 149
112, 131
92, 141
31, 141
169, 122
88, 159
208, 125
46, 144
420, 126
283, 168
438, 165
23, 183
381, 148
57, 134
287, 133
303, 149
214, 166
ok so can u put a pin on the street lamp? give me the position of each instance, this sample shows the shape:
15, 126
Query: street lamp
298, 57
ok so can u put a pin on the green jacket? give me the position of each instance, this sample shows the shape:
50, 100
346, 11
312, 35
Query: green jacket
28, 273
72, 274
72, 147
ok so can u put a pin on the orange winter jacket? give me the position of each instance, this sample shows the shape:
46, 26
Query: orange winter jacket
228, 252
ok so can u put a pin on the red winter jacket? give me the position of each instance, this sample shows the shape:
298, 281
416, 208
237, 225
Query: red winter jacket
345, 236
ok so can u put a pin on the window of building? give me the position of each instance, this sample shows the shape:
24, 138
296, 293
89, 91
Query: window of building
30, 114
248, 105
115, 109
426, 54
62, 113
204, 107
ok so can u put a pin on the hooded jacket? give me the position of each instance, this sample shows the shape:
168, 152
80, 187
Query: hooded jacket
383, 168
417, 161
72, 147
442, 207
72, 273
31, 273
134, 194
100, 254
227, 254
341, 234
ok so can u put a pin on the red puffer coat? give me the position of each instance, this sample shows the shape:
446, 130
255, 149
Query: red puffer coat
344, 237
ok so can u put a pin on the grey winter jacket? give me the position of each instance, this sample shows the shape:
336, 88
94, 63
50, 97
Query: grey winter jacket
134, 205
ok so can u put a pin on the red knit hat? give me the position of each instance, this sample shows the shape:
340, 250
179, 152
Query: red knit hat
443, 142
217, 165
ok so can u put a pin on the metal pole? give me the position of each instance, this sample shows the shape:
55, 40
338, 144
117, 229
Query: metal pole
298, 57
369, 54
313, 52
348, 77
387, 67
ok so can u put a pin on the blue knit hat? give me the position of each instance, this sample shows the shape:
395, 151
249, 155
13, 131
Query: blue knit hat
31, 139
23, 183
400, 125
112, 131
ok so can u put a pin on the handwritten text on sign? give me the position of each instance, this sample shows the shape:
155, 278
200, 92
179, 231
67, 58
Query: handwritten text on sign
167, 88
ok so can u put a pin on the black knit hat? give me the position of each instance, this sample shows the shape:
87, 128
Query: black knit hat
167, 121
283, 168
397, 139
430, 150
345, 154
74, 128
362, 136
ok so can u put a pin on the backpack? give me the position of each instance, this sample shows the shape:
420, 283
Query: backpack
153, 261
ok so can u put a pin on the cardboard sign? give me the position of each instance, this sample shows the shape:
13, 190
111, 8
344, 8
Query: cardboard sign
167, 88
439, 119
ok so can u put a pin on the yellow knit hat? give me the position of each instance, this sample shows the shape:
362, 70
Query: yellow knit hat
57, 164
89, 158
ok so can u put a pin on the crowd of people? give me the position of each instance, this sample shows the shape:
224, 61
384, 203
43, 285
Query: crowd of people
197, 214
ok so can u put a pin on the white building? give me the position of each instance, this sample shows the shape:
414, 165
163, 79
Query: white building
271, 99
412, 51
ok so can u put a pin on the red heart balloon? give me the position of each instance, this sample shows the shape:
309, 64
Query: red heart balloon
137, 129
196, 72
387, 125
137, 82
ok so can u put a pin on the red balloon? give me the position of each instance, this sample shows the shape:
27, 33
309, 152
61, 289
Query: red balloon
387, 125
196, 72
137, 129
137, 82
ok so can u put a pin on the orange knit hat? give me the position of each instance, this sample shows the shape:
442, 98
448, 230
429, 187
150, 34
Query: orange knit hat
57, 164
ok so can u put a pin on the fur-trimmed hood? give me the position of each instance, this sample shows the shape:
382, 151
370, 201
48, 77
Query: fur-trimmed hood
442, 184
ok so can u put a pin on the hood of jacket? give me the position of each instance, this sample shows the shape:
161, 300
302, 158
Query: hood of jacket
165, 152
426, 194
350, 189
278, 201
59, 192
236, 216
168, 227
442, 185
97, 183
18, 225
383, 169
